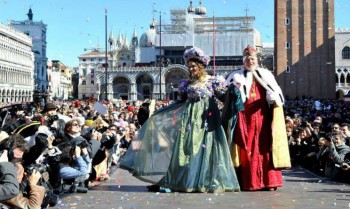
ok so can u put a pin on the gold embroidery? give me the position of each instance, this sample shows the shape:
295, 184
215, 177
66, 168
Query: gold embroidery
252, 89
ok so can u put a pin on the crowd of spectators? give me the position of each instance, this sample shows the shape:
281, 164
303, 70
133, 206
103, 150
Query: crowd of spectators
65, 147
319, 136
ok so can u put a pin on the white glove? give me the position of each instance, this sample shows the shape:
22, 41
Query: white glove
271, 97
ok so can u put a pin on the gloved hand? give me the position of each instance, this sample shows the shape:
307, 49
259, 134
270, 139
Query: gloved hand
271, 97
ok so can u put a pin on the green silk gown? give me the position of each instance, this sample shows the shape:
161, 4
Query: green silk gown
183, 146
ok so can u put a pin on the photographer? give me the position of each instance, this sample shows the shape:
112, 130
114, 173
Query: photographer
143, 113
125, 139
74, 164
9, 186
110, 142
345, 129
35, 196
12, 150
54, 121
15, 146
93, 138
345, 166
332, 153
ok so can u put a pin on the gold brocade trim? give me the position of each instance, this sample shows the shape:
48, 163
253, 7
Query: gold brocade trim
252, 89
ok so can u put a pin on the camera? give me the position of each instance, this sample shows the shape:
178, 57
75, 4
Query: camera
50, 199
41, 168
51, 118
86, 131
83, 144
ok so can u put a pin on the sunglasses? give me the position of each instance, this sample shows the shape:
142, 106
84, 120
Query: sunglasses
75, 124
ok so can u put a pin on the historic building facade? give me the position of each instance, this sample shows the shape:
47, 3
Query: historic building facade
342, 61
304, 48
16, 66
60, 80
37, 31
152, 66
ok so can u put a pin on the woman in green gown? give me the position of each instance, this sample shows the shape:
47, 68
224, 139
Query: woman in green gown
183, 146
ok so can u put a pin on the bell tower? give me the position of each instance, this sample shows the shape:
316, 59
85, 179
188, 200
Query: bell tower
305, 48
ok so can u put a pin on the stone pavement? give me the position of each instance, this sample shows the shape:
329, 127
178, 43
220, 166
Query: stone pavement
302, 189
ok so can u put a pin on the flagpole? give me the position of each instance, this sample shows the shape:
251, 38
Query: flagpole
106, 61
214, 45
160, 55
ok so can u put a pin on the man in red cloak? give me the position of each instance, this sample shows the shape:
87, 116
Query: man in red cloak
259, 146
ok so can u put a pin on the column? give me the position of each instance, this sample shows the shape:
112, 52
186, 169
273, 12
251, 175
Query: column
132, 93
109, 91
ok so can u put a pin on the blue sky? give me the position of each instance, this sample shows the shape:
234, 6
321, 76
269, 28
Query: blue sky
73, 25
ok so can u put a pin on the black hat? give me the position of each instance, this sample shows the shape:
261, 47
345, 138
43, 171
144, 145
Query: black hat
49, 106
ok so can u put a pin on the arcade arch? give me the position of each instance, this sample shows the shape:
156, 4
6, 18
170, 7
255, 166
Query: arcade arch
172, 80
121, 88
144, 87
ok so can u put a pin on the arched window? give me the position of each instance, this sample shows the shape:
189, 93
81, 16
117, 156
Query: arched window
345, 53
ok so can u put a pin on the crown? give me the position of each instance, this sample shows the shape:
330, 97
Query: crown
249, 51
196, 54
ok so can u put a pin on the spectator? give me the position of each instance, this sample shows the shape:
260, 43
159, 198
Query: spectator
345, 129
9, 186
335, 127
15, 146
74, 166
333, 153
143, 113
36, 193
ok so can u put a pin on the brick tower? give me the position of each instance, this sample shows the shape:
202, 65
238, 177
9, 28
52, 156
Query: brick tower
304, 48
